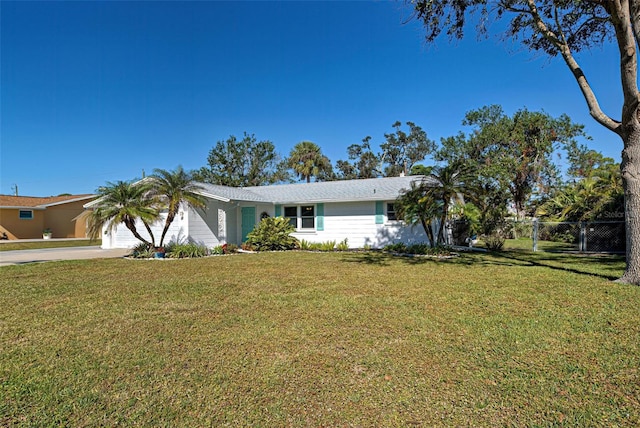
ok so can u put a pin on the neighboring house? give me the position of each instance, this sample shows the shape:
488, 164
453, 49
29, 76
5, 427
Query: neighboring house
360, 211
26, 217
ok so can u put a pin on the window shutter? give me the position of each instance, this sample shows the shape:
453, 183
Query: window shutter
278, 210
320, 217
379, 212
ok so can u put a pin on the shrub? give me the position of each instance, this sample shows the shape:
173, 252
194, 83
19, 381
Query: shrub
421, 249
305, 245
245, 246
398, 247
187, 250
230, 248
494, 242
272, 234
343, 245
142, 251
218, 250
328, 246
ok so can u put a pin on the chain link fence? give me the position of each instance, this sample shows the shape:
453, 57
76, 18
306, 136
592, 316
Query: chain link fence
593, 236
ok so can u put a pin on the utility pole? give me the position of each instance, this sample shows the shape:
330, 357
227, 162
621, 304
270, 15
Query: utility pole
15, 189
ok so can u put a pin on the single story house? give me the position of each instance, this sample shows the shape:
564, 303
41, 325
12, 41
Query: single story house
26, 217
360, 211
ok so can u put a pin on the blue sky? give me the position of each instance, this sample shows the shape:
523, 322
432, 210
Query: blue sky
100, 91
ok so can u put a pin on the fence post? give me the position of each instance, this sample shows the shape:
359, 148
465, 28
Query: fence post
535, 234
583, 237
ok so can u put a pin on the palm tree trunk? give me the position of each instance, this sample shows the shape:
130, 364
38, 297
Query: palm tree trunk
153, 240
167, 223
429, 231
131, 226
443, 219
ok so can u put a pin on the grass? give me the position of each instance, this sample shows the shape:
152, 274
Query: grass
527, 245
34, 245
321, 339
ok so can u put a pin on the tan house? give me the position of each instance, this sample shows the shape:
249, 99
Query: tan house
26, 217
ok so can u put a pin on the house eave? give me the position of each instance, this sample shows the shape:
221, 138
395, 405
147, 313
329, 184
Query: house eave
17, 207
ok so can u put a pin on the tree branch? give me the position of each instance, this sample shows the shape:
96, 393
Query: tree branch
589, 96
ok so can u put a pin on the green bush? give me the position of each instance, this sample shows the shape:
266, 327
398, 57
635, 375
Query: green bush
343, 245
328, 246
184, 251
272, 234
398, 247
217, 250
142, 251
306, 245
494, 242
420, 249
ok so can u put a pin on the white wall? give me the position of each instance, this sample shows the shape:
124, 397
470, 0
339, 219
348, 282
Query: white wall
122, 237
213, 226
220, 223
356, 221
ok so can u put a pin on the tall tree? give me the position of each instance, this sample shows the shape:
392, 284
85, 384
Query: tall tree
362, 163
402, 150
123, 202
515, 151
242, 163
584, 162
559, 27
175, 188
306, 160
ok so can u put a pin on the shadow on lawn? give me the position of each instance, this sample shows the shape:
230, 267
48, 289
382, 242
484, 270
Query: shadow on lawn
603, 266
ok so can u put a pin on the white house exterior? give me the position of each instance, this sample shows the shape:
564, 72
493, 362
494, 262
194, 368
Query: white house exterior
360, 211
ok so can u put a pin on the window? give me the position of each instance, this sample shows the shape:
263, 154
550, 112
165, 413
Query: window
391, 212
301, 217
25, 215
308, 217
291, 213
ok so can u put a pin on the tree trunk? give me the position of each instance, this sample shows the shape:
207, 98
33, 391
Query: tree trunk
130, 224
150, 232
429, 231
630, 168
167, 223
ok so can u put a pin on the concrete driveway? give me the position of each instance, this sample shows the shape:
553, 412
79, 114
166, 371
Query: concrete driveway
54, 254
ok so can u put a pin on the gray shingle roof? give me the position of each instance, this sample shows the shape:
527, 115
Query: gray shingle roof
372, 189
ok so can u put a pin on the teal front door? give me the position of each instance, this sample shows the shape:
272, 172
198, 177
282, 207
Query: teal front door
248, 221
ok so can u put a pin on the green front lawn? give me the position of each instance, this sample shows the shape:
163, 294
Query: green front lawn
21, 245
321, 339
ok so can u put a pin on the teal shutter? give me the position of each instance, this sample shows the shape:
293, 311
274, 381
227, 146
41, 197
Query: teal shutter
320, 217
278, 210
379, 212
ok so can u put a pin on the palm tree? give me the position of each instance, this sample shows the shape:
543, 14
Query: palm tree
451, 181
418, 206
173, 188
123, 202
306, 160
431, 198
